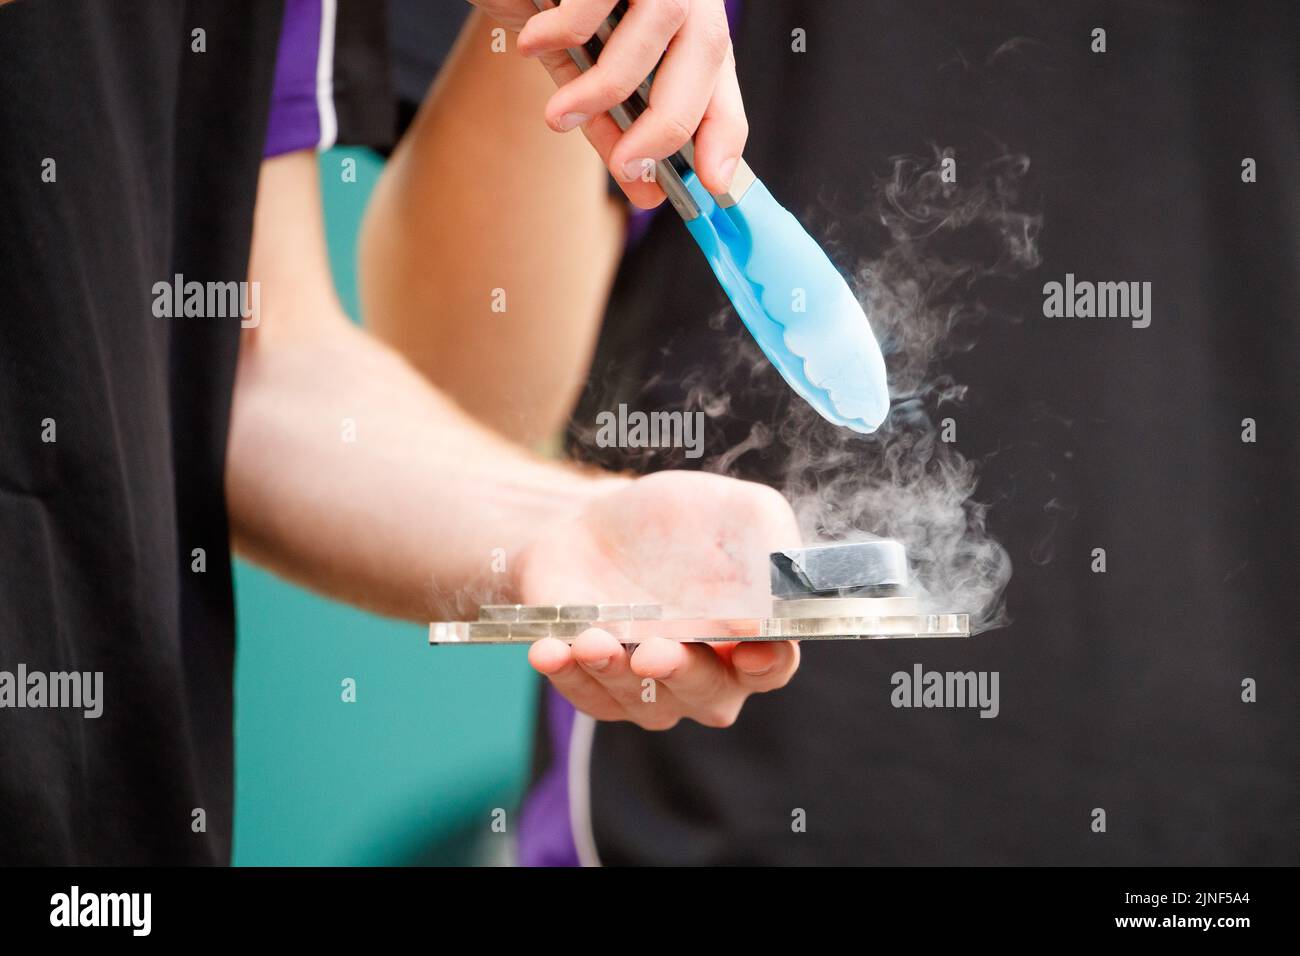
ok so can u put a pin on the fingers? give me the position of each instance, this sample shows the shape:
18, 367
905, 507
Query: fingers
595, 677
630, 55
598, 676
697, 678
565, 25
607, 661
761, 666
602, 132
683, 86
720, 140
554, 659
694, 87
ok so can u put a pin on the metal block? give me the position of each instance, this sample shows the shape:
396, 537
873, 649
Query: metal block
853, 569
579, 612
532, 613
533, 630
449, 632
489, 631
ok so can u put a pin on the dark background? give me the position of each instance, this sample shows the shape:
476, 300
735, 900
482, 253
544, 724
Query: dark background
1119, 690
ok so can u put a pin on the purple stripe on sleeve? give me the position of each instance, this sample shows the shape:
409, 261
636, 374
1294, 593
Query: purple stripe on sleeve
545, 830
295, 121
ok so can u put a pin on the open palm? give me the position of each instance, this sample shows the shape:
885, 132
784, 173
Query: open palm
696, 544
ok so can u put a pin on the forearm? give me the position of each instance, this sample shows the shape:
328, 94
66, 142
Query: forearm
481, 196
349, 474
346, 470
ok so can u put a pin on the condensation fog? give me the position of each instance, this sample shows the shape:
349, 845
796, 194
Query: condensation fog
920, 294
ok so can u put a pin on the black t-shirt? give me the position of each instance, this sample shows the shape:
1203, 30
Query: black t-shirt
1119, 690
127, 158
130, 141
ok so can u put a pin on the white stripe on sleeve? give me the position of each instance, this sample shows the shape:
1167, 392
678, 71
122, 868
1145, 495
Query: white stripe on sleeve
329, 121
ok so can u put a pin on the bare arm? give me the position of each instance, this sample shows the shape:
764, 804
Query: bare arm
348, 472
532, 217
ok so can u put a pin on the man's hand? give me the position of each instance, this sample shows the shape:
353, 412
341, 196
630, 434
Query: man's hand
695, 92
696, 544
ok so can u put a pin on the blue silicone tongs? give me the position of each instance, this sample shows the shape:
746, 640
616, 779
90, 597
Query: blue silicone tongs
795, 303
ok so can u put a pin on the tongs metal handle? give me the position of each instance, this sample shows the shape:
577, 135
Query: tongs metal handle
669, 171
